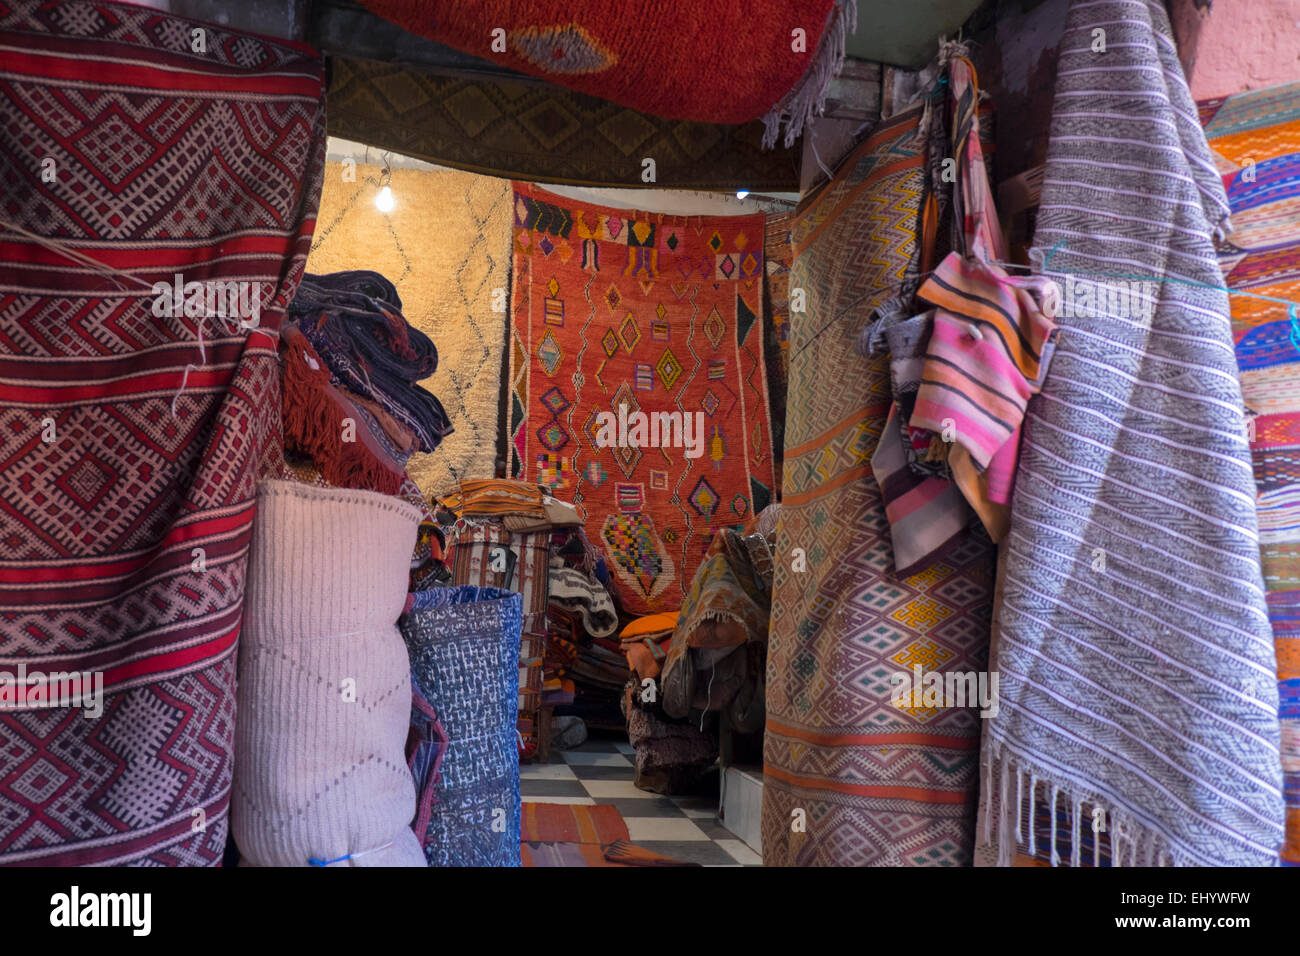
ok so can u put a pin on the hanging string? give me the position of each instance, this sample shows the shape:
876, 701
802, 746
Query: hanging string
708, 695
316, 861
812, 142
1293, 307
68, 252
230, 324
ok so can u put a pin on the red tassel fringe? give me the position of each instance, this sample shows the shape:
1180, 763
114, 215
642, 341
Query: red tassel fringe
313, 424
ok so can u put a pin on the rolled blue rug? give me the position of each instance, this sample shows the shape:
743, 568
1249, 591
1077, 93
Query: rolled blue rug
464, 646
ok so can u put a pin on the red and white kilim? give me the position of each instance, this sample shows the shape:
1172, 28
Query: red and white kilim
172, 152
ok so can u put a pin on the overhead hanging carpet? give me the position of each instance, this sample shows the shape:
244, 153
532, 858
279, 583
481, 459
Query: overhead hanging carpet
127, 452
524, 129
1136, 659
1255, 143
620, 317
452, 290
737, 62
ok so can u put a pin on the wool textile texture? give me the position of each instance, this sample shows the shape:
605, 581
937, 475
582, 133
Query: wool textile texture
742, 62
883, 782
1255, 144
464, 646
445, 246
354, 322
133, 411
1137, 665
542, 133
320, 765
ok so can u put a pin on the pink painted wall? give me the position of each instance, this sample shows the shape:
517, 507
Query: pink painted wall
1228, 46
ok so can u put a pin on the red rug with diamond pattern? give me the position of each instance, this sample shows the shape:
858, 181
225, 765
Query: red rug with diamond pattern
653, 314
129, 138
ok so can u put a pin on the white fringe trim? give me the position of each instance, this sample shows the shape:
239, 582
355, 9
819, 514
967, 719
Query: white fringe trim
1132, 842
808, 98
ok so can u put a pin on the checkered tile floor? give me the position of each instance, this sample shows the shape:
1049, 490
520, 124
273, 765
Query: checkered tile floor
600, 772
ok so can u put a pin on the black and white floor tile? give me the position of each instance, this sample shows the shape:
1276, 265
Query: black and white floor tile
600, 772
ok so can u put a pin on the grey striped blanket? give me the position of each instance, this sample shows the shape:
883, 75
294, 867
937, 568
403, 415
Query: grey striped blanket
1135, 656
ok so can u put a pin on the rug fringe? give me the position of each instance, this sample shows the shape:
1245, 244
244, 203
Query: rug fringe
721, 614
808, 98
314, 424
1132, 843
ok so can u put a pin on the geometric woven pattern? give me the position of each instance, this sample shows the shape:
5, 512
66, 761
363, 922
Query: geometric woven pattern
877, 784
464, 646
658, 316
105, 493
1255, 142
776, 324
543, 133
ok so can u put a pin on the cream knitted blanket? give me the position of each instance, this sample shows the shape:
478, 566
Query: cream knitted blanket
324, 682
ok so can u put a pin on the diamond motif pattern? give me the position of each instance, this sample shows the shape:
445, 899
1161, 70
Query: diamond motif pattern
549, 353
669, 368
842, 627
714, 328
629, 333
157, 462
643, 270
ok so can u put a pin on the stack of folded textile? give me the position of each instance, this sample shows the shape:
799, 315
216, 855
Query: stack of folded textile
646, 642
351, 363
584, 670
503, 537
708, 657
584, 596
718, 650
591, 666
672, 756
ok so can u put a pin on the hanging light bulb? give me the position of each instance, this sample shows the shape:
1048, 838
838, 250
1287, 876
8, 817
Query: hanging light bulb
384, 201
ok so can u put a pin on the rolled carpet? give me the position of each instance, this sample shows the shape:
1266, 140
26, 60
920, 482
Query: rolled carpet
464, 644
321, 775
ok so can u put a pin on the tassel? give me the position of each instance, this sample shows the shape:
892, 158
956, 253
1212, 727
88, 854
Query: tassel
313, 424
988, 799
1033, 829
1007, 839
1055, 856
808, 97
1076, 813
1020, 779
1004, 791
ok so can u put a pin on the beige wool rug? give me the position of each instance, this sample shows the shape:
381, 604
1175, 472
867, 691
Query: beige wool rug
446, 246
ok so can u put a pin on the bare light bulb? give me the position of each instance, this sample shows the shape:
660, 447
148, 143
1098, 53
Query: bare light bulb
384, 201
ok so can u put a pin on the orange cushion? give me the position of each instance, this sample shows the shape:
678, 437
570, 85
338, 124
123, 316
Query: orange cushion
664, 621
